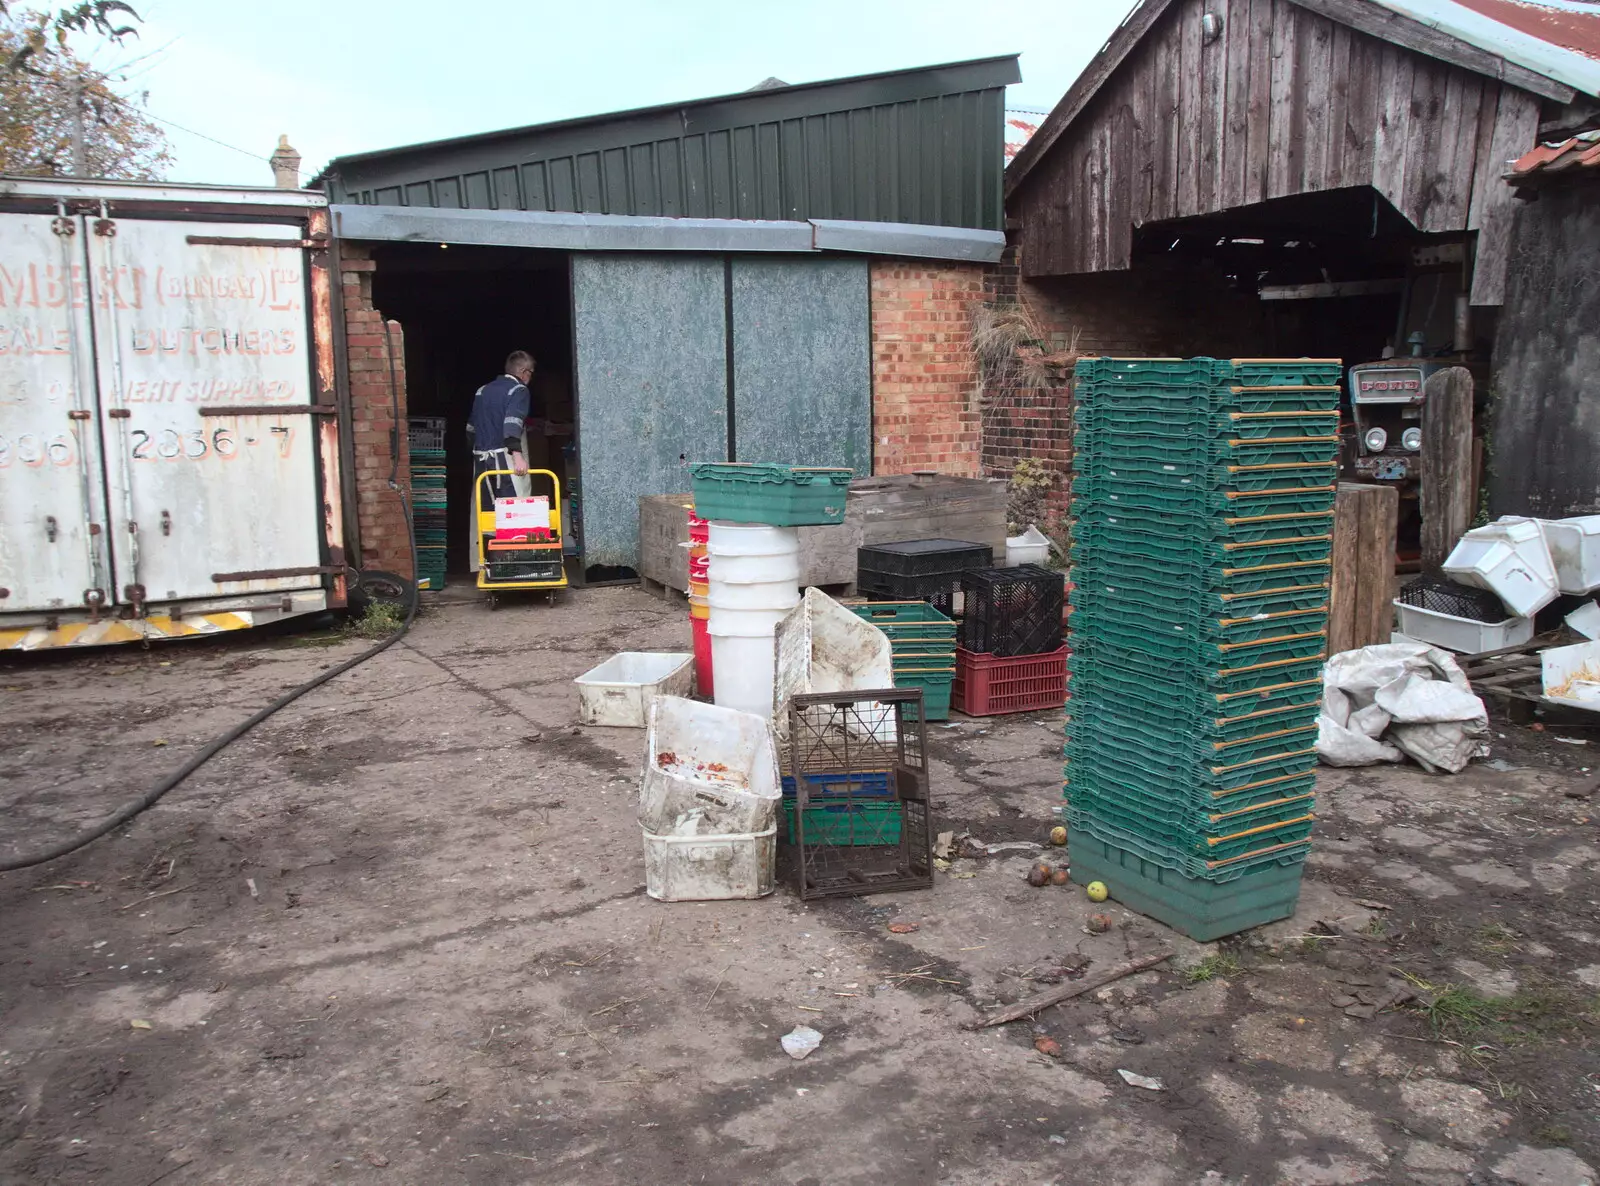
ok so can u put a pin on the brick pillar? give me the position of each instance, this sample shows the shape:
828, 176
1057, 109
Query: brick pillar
925, 390
370, 345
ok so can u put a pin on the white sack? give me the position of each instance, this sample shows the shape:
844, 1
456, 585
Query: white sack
1382, 702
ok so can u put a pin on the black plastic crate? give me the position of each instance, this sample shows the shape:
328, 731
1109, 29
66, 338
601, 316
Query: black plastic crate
938, 590
924, 557
1459, 601
1012, 611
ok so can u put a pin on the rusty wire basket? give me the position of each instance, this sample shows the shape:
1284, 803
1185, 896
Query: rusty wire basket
856, 793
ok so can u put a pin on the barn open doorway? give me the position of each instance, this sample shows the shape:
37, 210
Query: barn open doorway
1339, 274
463, 310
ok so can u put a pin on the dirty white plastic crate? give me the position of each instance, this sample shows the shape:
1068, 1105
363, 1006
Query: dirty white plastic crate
823, 647
1511, 559
620, 690
1464, 635
1585, 620
709, 868
1031, 547
1575, 551
681, 794
1572, 675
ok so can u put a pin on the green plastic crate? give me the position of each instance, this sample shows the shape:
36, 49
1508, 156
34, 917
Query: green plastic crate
1208, 527
936, 689
1202, 909
1195, 500
1218, 868
852, 823
1117, 371
905, 619
779, 495
1201, 551
1186, 828
1106, 677
1286, 372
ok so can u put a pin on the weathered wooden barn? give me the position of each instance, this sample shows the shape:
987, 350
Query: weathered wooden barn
1546, 430
1288, 177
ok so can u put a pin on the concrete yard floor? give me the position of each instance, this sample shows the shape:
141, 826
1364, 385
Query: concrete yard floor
399, 934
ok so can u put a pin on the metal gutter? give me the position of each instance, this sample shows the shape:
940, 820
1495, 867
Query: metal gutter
162, 191
909, 239
562, 231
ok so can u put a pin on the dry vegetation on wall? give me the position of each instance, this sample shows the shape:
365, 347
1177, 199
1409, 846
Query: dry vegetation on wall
1025, 382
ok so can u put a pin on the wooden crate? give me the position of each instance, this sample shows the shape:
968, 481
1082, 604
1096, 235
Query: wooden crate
827, 554
879, 510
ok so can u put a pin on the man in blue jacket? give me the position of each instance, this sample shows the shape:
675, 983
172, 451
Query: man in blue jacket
497, 431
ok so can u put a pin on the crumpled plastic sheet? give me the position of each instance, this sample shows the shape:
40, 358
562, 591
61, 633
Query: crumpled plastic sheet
1396, 700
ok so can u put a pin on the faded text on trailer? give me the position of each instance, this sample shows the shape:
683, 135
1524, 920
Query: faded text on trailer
169, 427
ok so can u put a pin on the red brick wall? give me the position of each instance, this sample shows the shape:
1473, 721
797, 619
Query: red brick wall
925, 388
384, 540
1148, 310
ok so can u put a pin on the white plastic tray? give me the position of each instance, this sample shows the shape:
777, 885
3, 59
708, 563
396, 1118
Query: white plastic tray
1463, 635
620, 690
709, 868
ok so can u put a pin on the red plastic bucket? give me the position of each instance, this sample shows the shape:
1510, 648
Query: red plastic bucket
702, 658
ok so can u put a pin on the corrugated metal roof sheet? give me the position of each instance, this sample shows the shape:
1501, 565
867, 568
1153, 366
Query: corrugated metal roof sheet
912, 146
1559, 39
1562, 157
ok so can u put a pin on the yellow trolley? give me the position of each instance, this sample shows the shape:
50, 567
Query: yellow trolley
518, 564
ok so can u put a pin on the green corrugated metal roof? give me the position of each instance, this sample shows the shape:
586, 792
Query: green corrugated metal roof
915, 146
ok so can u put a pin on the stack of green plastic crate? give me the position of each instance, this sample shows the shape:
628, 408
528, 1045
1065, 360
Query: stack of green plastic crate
924, 644
428, 502
1204, 521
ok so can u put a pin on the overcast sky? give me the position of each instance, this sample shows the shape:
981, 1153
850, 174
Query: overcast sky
343, 76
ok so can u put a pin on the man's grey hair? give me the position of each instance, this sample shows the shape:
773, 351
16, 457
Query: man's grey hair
518, 359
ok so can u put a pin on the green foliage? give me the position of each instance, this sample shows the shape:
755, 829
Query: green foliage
379, 620
101, 17
49, 97
1219, 963
1537, 1012
1028, 494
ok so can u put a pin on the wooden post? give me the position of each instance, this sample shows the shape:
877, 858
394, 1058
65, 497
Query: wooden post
1360, 609
1449, 492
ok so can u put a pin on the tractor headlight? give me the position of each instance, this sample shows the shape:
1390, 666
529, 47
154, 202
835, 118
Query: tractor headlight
1411, 438
1376, 439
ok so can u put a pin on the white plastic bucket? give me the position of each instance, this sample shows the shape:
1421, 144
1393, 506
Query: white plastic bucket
784, 595
744, 623
679, 797
752, 539
709, 868
745, 665
755, 570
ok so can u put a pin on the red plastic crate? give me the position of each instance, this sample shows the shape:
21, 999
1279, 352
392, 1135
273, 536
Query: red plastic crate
986, 686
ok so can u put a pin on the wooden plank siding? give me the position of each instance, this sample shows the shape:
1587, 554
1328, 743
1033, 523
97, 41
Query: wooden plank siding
1285, 101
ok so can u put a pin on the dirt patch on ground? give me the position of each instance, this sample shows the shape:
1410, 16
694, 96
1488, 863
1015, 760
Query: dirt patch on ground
399, 933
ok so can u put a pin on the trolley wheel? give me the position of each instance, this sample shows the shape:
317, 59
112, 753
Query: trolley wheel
551, 596
494, 602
